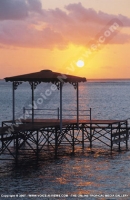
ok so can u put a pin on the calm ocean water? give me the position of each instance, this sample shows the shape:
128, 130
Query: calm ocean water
95, 172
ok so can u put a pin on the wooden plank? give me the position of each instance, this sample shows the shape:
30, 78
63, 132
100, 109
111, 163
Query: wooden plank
48, 123
74, 121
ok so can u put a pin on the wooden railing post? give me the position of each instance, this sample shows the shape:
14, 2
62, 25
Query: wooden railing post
90, 114
58, 113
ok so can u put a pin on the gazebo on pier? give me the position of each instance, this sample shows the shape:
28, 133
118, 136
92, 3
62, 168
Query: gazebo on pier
49, 135
46, 76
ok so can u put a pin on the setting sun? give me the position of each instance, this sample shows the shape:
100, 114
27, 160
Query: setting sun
73, 38
80, 63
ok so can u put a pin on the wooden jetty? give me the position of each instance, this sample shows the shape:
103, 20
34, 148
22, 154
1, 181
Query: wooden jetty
48, 135
45, 135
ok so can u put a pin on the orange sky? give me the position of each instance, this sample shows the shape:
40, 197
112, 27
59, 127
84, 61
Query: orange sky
56, 34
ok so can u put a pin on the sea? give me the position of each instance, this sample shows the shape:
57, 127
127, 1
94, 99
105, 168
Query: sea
88, 174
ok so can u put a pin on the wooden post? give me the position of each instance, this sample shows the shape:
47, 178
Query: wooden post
48, 139
90, 130
82, 136
2, 141
90, 114
77, 106
119, 136
56, 143
73, 139
61, 107
32, 102
13, 91
111, 139
58, 113
127, 135
37, 146
90, 134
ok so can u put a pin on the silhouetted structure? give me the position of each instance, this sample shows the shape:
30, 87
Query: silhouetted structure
49, 134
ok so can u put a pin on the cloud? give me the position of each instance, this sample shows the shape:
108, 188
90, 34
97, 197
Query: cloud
18, 9
78, 12
35, 5
26, 35
54, 28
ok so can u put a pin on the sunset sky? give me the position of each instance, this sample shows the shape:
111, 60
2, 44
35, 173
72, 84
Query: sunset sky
55, 34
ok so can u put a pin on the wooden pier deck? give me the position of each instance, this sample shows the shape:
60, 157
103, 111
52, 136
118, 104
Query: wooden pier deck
44, 133
38, 135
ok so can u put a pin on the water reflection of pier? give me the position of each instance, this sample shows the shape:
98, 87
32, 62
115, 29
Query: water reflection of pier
21, 137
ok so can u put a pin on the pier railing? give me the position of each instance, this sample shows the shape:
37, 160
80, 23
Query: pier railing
55, 113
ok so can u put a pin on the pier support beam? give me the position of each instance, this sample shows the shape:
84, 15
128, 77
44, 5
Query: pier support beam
61, 85
73, 144
37, 146
77, 106
127, 135
111, 139
32, 102
2, 141
82, 136
56, 142
90, 135
119, 136
13, 88
48, 136
13, 109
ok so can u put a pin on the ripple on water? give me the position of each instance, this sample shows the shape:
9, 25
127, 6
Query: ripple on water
83, 173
